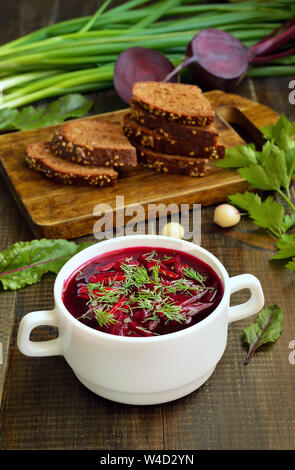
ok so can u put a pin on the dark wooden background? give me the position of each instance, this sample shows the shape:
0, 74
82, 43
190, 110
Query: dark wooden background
43, 406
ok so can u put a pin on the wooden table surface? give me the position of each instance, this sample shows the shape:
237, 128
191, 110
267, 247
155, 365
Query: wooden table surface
43, 406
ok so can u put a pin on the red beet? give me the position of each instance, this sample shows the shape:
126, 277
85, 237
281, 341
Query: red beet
264, 49
217, 59
139, 64
222, 59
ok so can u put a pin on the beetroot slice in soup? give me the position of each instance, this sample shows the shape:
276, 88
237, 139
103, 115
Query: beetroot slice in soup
139, 64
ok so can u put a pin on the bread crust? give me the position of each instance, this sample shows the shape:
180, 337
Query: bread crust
163, 163
138, 134
40, 157
108, 148
205, 136
175, 102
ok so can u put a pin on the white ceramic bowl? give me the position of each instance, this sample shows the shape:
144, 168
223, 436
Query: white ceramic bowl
141, 370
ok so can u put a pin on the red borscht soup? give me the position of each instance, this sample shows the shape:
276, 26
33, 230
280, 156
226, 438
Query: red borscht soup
140, 292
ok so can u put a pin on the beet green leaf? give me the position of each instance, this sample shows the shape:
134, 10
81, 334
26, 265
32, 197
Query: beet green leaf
266, 328
24, 263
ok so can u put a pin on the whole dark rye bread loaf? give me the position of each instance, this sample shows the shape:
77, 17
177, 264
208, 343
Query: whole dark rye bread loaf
94, 142
205, 136
138, 134
176, 102
40, 157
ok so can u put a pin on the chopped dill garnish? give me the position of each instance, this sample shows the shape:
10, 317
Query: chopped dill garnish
155, 271
180, 285
191, 273
153, 318
103, 317
151, 256
135, 276
102, 295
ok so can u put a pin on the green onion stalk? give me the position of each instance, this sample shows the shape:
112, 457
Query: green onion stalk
78, 55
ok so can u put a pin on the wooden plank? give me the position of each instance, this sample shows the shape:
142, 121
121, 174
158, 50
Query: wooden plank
12, 229
55, 211
18, 21
21, 21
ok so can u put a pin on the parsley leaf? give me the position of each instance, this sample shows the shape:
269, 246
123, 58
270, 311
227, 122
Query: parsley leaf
267, 328
267, 214
286, 247
290, 162
281, 133
271, 173
239, 156
291, 265
272, 169
288, 222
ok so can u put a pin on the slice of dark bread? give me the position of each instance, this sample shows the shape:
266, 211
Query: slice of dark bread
40, 157
93, 142
172, 164
175, 102
141, 135
205, 136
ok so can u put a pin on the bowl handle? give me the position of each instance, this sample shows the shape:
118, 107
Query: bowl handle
30, 321
251, 306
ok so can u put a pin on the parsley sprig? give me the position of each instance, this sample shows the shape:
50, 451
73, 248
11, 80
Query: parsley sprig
271, 169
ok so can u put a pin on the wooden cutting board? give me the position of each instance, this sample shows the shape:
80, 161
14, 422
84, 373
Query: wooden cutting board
57, 211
